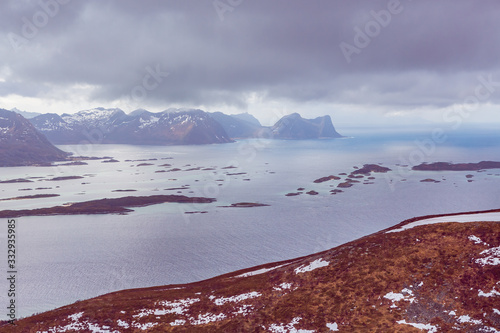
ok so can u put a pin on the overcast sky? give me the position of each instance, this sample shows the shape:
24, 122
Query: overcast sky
358, 61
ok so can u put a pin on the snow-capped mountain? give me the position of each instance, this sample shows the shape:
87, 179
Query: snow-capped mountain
142, 127
95, 117
173, 126
169, 127
22, 144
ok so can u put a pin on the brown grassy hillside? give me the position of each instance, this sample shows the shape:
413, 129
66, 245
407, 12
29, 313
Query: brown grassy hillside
440, 278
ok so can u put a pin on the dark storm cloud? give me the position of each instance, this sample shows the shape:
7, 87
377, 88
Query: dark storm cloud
423, 53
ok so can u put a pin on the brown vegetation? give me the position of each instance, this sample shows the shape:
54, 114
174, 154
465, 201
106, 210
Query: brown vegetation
433, 268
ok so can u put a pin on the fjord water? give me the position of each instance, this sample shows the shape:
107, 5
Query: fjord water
65, 258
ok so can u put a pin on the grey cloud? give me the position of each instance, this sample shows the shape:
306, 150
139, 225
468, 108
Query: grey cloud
429, 54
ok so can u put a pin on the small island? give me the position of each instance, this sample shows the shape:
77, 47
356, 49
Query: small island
58, 179
104, 206
245, 205
445, 166
429, 180
368, 168
14, 181
36, 196
325, 179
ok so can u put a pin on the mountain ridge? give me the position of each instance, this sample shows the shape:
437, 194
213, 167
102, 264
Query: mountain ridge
289, 127
102, 125
174, 126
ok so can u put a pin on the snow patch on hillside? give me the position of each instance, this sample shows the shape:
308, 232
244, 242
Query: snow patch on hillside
430, 328
235, 299
177, 307
77, 325
122, 323
480, 217
178, 322
288, 328
258, 271
207, 318
333, 327
468, 319
405, 295
312, 266
283, 286
492, 257
477, 240
245, 309
492, 293
144, 326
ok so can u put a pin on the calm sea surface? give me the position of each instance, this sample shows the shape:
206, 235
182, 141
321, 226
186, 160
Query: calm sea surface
62, 259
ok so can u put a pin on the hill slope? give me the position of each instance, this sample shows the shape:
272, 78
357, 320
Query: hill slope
21, 144
412, 278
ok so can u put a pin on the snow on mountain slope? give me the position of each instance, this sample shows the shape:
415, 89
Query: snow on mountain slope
101, 125
94, 117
